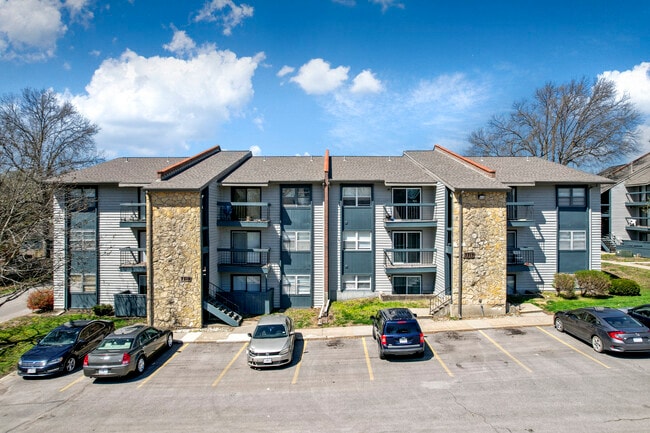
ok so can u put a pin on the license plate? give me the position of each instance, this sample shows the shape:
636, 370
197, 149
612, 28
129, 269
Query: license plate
403, 340
31, 371
268, 361
637, 340
103, 371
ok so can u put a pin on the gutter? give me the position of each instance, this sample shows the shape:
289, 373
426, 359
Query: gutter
460, 256
149, 249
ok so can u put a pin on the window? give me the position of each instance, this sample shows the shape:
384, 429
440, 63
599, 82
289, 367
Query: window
296, 196
296, 241
357, 282
243, 241
407, 285
357, 195
246, 195
572, 197
82, 240
296, 284
357, 240
572, 240
405, 202
404, 243
246, 283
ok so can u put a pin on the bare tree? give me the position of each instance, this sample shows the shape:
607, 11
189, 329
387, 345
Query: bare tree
40, 137
580, 124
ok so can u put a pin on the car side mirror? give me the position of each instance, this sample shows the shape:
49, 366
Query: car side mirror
250, 335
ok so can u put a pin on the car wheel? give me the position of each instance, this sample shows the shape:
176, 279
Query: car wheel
374, 334
70, 364
170, 341
597, 344
559, 325
382, 355
140, 365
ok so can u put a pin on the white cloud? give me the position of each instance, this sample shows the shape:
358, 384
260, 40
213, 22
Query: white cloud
636, 83
385, 4
212, 12
181, 44
158, 105
29, 29
316, 77
285, 70
454, 91
255, 150
366, 82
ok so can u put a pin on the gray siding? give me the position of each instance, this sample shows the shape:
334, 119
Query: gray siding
618, 212
594, 228
318, 224
112, 237
440, 241
59, 254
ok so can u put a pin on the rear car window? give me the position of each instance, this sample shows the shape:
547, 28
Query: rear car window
622, 322
402, 328
116, 344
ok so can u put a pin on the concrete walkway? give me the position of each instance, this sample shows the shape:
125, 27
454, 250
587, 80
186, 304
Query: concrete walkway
527, 315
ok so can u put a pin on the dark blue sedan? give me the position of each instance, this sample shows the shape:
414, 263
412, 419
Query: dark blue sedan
60, 350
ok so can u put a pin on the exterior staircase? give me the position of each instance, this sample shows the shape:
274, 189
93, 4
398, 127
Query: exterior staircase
222, 308
439, 302
608, 244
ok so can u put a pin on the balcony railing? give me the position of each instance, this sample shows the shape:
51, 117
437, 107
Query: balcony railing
638, 223
243, 213
409, 211
520, 211
132, 214
409, 258
132, 257
521, 256
243, 257
637, 198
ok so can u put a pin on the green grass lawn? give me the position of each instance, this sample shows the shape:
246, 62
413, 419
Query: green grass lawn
19, 335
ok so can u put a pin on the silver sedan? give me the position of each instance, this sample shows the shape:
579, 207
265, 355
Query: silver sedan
271, 344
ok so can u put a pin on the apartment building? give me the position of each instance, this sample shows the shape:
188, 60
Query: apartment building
224, 233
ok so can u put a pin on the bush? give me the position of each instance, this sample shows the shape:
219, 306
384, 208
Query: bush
624, 287
565, 285
593, 283
41, 300
103, 310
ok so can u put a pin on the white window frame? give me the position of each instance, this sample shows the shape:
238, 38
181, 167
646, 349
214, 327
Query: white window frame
356, 282
296, 240
297, 284
357, 240
359, 198
572, 240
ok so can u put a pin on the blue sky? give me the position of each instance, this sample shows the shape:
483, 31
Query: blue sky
294, 77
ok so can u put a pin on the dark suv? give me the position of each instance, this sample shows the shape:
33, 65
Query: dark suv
397, 332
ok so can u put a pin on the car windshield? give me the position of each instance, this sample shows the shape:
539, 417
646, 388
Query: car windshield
401, 328
622, 322
270, 331
116, 344
60, 337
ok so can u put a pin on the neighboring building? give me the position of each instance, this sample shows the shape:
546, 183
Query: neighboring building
225, 233
626, 204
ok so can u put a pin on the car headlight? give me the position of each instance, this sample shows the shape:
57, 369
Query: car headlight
285, 350
55, 360
20, 362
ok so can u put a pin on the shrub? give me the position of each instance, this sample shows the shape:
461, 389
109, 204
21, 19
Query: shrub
593, 283
624, 287
565, 285
103, 310
41, 300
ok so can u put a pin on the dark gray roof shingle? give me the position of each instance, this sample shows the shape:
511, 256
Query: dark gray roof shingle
261, 170
120, 171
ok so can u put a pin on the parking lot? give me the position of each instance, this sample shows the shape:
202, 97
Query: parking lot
528, 379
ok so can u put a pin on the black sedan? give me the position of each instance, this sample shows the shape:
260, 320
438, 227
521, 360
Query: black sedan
641, 313
605, 328
127, 350
59, 350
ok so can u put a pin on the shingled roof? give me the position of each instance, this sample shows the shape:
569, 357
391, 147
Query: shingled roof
392, 170
124, 171
261, 170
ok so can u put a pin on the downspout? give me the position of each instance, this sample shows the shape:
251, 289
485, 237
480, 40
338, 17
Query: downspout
460, 256
326, 236
149, 249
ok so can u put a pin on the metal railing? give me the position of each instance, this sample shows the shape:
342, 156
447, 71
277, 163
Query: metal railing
131, 257
409, 257
132, 212
245, 211
243, 257
520, 211
520, 256
409, 211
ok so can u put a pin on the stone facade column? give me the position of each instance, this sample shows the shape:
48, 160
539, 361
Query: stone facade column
175, 260
479, 258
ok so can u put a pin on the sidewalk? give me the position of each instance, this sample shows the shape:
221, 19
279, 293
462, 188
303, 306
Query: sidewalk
528, 315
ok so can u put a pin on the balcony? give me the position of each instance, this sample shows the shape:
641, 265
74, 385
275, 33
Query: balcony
520, 259
637, 198
252, 260
410, 260
132, 215
520, 214
133, 260
637, 224
245, 214
407, 215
